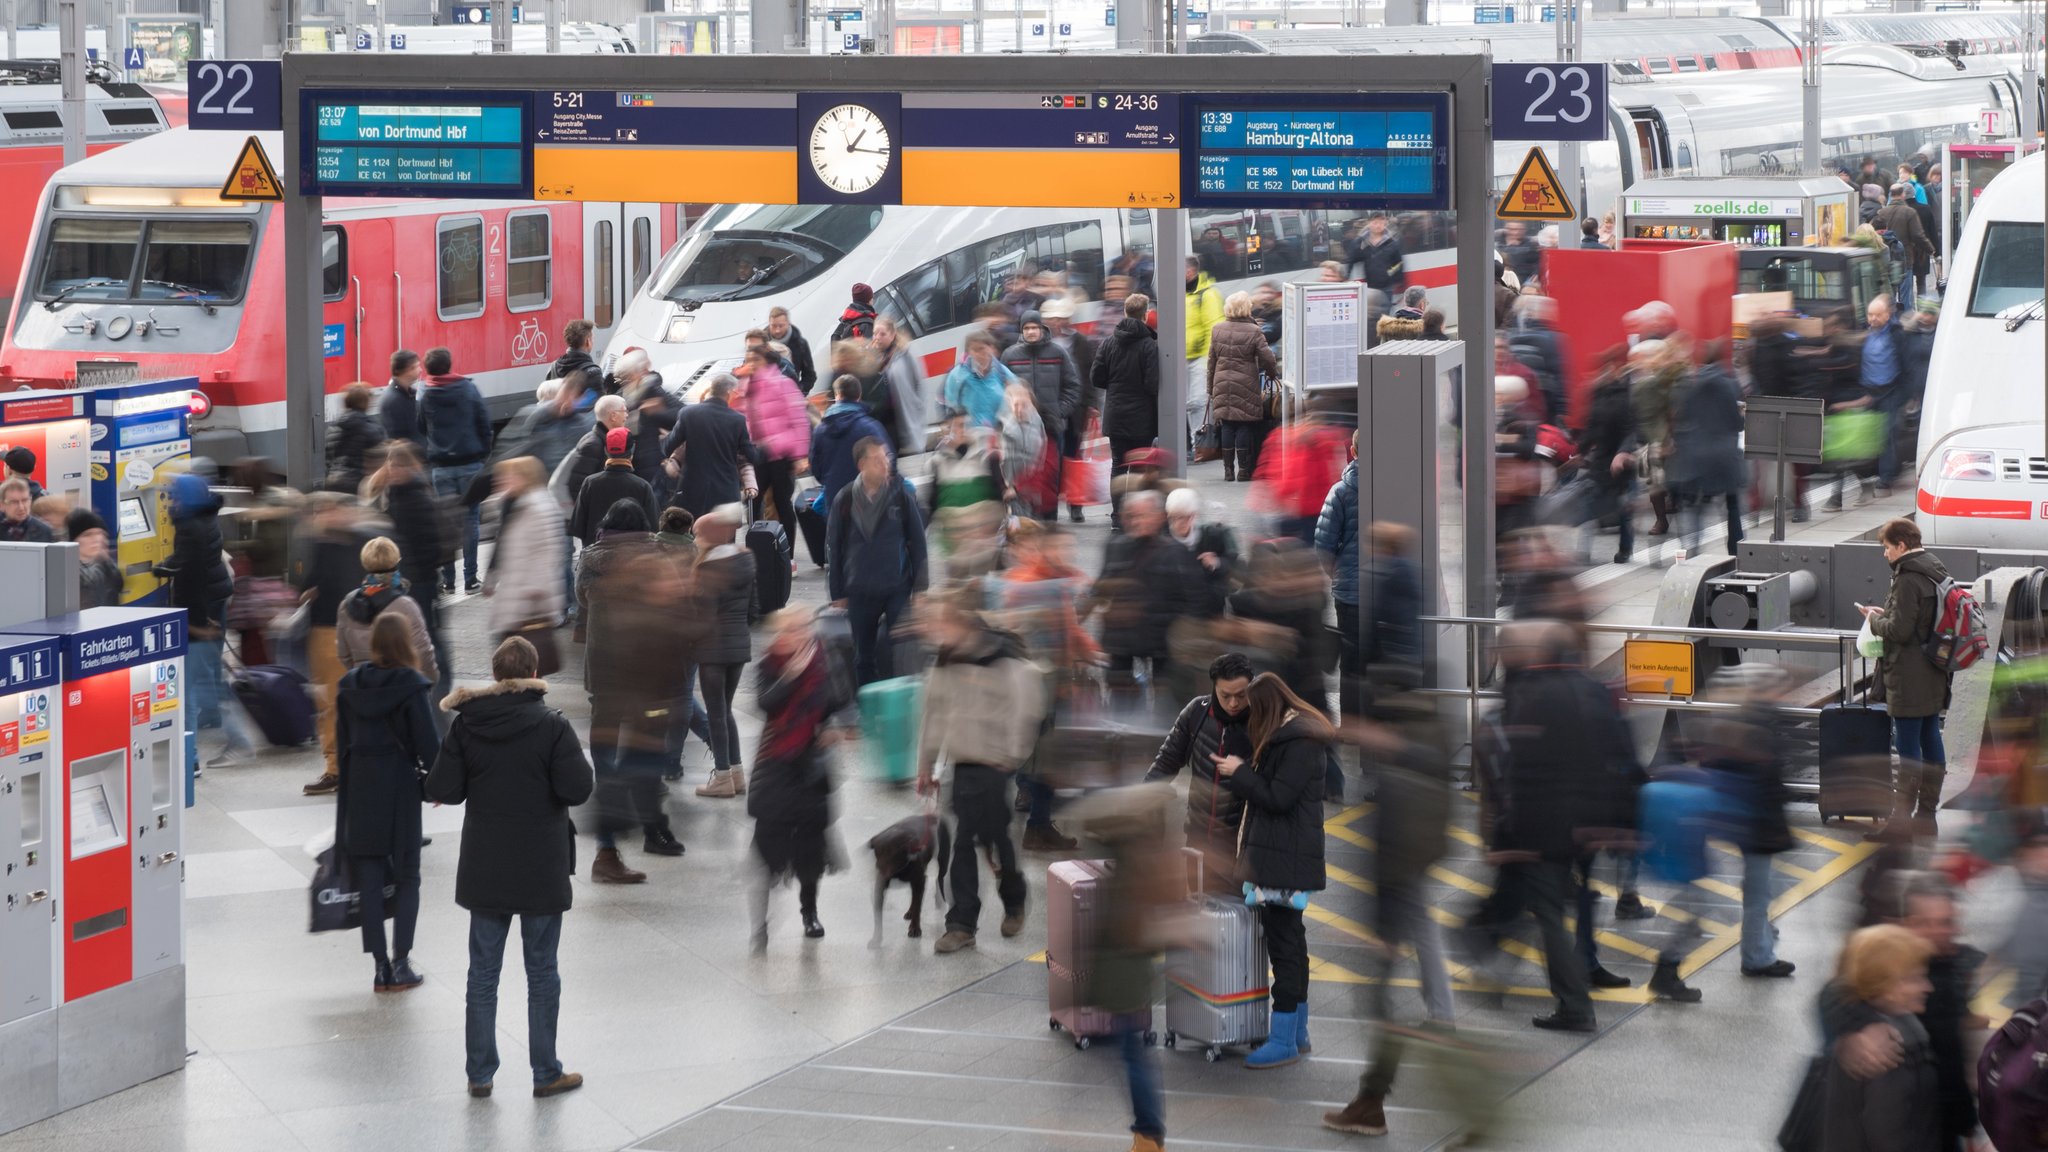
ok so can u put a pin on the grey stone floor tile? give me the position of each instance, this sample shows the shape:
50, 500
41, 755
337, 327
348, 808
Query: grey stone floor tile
453, 1120
206, 1090
194, 1134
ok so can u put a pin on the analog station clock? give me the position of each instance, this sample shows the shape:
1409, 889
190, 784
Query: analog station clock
850, 145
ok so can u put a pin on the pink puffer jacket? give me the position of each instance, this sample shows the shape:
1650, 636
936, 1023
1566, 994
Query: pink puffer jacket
776, 417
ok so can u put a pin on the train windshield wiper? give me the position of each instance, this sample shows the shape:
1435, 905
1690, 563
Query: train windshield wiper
733, 293
199, 296
50, 305
2016, 316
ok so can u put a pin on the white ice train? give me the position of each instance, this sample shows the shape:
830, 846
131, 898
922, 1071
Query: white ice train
931, 267
1983, 472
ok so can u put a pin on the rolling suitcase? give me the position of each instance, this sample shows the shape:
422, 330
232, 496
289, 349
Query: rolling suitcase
1217, 996
275, 697
889, 727
769, 542
1855, 761
1072, 888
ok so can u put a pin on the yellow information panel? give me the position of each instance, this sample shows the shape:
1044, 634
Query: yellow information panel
953, 178
682, 176
1659, 667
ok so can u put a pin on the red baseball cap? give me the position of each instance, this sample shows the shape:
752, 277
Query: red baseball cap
615, 442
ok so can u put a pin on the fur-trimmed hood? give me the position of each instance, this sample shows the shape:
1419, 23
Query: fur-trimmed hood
500, 711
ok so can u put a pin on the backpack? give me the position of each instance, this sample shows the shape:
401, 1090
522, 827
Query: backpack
1893, 246
2012, 1082
1958, 638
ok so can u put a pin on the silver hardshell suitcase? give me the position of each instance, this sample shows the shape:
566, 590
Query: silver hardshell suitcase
1217, 996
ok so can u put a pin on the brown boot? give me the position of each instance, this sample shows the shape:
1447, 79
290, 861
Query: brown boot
1365, 1116
1660, 503
609, 869
739, 780
1143, 1143
324, 786
721, 786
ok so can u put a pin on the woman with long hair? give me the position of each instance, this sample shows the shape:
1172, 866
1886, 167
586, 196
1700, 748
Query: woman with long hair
1280, 846
387, 739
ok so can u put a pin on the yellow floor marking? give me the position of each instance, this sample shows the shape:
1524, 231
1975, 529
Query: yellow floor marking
1342, 924
1350, 837
1624, 944
1343, 819
1445, 875
1827, 842
1718, 887
1465, 836
1666, 910
1791, 869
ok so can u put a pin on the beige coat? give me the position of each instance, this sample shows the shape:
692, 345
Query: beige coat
983, 713
525, 580
352, 636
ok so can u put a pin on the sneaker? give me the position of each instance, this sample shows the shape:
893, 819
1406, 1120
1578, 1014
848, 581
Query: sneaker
719, 787
1364, 1116
1863, 495
1884, 491
1833, 504
1775, 970
566, 1082
324, 786
953, 941
473, 586
1047, 838
1801, 515
1560, 1022
1013, 923
447, 587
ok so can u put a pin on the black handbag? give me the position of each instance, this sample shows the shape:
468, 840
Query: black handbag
1801, 1130
337, 904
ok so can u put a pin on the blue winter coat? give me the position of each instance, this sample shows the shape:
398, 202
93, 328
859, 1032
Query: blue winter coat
455, 421
832, 442
1337, 534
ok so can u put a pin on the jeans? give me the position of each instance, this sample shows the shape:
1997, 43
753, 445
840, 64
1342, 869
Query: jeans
686, 717
207, 686
1039, 793
1906, 289
539, 937
874, 620
1404, 919
1287, 948
981, 815
1919, 742
454, 481
1141, 1068
402, 867
1890, 401
721, 682
1759, 938
1198, 396
1692, 517
1242, 436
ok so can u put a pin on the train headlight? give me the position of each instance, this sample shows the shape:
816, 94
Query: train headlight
200, 406
678, 329
1968, 464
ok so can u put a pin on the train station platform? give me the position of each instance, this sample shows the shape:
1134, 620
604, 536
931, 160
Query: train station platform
690, 1043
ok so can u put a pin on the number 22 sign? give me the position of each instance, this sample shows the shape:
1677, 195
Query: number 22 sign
1550, 101
235, 96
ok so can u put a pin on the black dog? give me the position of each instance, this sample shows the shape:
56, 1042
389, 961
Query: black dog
902, 852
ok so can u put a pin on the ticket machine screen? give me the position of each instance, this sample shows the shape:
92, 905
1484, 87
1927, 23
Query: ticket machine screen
99, 811
134, 521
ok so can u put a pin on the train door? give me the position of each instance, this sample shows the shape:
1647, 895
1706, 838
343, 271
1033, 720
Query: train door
621, 243
361, 287
1653, 141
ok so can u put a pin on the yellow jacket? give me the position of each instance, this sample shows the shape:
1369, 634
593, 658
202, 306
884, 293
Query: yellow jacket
1205, 311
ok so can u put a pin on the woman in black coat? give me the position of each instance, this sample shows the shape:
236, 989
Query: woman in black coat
791, 796
387, 739
1607, 450
724, 601
1280, 846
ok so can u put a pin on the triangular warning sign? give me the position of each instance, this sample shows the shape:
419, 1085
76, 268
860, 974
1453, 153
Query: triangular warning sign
1535, 193
252, 177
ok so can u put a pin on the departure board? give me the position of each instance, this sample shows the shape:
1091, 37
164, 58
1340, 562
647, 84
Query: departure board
1363, 151
416, 143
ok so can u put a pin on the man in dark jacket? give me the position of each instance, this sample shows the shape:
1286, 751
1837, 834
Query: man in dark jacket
857, 319
1564, 753
399, 408
457, 428
1046, 369
615, 483
1915, 689
1148, 581
1376, 258
516, 767
713, 443
1538, 346
200, 584
351, 439
326, 566
416, 525
1747, 748
1520, 252
1058, 314
874, 557
586, 459
1900, 219
789, 336
651, 412
576, 354
1212, 725
846, 423
18, 523
1126, 372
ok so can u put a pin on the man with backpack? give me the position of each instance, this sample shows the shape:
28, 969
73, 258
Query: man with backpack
857, 319
1925, 615
1907, 239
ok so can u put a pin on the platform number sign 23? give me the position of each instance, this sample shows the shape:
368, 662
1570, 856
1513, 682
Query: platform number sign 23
1550, 101
235, 96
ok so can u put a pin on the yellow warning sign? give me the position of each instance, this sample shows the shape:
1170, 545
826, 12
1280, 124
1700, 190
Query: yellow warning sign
252, 177
1535, 193
1658, 667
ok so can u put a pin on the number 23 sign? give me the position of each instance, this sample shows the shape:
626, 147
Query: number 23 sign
1550, 101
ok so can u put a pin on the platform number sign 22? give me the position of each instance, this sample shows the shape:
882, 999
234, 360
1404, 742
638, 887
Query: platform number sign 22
235, 96
1550, 101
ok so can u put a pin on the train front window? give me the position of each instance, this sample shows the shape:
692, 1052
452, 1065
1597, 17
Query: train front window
179, 260
760, 251
2008, 268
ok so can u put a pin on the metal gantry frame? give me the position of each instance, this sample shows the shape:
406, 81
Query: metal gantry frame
1464, 78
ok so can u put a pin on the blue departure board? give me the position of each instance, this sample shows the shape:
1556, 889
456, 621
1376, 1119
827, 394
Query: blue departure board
1361, 151
416, 143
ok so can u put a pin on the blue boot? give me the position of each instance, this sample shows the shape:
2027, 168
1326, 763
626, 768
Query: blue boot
1279, 1049
1301, 1029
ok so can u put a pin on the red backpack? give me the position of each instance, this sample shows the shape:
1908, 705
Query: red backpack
1959, 638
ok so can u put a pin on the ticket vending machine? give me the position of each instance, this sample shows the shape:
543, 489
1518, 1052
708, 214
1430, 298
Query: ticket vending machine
123, 881
30, 832
141, 437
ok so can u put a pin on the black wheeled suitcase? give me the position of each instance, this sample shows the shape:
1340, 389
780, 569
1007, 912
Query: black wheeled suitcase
769, 543
1855, 761
275, 698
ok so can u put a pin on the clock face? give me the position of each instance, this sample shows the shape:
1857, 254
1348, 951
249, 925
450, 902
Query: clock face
850, 149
